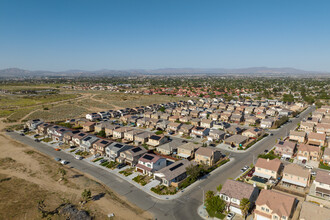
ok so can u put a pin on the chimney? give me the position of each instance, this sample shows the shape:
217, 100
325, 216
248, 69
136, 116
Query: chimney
267, 159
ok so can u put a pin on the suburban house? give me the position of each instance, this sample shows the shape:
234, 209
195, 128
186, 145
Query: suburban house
142, 137
109, 128
87, 142
252, 133
170, 147
207, 156
42, 128
33, 124
268, 169
51, 130
308, 152
326, 155
199, 132
207, 123
233, 192
77, 138
298, 136
234, 129
316, 139
310, 210
322, 184
306, 126
113, 150
131, 156
187, 150
98, 127
89, 126
119, 132
173, 127
173, 174
272, 205
58, 134
131, 134
236, 140
295, 175
93, 116
323, 128
149, 163
185, 129
251, 120
285, 148
195, 121
267, 123
155, 140
69, 135
99, 146
216, 135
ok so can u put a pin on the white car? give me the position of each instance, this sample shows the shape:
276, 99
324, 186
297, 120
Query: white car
64, 162
308, 167
230, 216
78, 157
313, 173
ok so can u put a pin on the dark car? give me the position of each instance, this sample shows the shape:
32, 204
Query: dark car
8, 130
36, 135
304, 161
36, 140
266, 151
58, 159
271, 134
22, 134
72, 147
121, 166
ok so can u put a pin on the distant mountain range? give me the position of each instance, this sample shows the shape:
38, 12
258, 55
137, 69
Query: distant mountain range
257, 71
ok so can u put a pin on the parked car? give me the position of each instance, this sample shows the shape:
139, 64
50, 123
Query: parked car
22, 134
36, 135
308, 167
121, 166
230, 216
37, 140
64, 162
103, 160
57, 159
57, 149
266, 151
245, 168
313, 173
72, 147
79, 157
9, 130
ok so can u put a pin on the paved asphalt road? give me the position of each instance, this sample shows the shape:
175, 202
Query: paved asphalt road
184, 207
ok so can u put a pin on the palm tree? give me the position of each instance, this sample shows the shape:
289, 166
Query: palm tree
219, 188
245, 206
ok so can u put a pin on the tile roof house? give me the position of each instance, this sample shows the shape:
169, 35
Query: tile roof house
251, 120
310, 210
316, 139
207, 123
131, 134
216, 135
267, 123
42, 128
207, 156
293, 174
109, 128
142, 137
155, 140
252, 132
149, 163
173, 127
185, 129
236, 140
99, 146
274, 205
113, 150
299, 136
233, 192
87, 142
69, 135
131, 156
120, 132
77, 138
187, 150
308, 152
268, 169
169, 147
199, 132
173, 174
322, 184
33, 124
323, 128
306, 126
89, 126
285, 148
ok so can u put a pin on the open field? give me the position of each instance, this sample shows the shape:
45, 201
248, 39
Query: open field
27, 177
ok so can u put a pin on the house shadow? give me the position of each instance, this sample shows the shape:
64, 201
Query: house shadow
98, 196
77, 176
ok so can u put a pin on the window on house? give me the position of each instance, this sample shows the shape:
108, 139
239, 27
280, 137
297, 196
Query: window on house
283, 217
262, 208
267, 210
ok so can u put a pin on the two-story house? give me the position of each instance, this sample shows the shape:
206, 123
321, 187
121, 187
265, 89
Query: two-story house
326, 155
155, 140
316, 139
199, 132
149, 163
99, 146
233, 192
298, 136
169, 147
268, 169
322, 184
207, 156
271, 205
216, 135
113, 150
87, 142
131, 156
308, 152
285, 148
187, 150
295, 175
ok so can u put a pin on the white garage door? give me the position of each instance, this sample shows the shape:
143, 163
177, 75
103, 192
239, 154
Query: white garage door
260, 217
236, 210
302, 158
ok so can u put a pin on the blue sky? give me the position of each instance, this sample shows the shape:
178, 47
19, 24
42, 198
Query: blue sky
144, 34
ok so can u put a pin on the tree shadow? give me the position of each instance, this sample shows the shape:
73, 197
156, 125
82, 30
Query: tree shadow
98, 196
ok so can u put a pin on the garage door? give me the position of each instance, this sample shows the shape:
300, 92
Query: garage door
302, 158
236, 210
260, 217
139, 170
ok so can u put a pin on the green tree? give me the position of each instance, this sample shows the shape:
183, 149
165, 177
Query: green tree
245, 206
288, 98
219, 188
86, 194
194, 171
102, 133
214, 204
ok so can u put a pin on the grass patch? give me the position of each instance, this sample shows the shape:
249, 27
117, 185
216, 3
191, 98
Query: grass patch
324, 166
127, 171
164, 190
270, 155
47, 140
142, 180
97, 159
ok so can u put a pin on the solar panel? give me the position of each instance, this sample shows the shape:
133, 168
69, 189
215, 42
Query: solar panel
176, 166
148, 157
104, 142
88, 138
119, 145
154, 137
137, 149
81, 134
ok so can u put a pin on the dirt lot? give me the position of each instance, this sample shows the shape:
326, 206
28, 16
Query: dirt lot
27, 177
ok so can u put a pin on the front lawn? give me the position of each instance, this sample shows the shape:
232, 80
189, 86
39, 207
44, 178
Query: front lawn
164, 190
270, 155
324, 166
127, 171
100, 158
142, 180
47, 140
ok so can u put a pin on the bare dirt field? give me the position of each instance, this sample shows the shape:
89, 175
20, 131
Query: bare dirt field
28, 177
